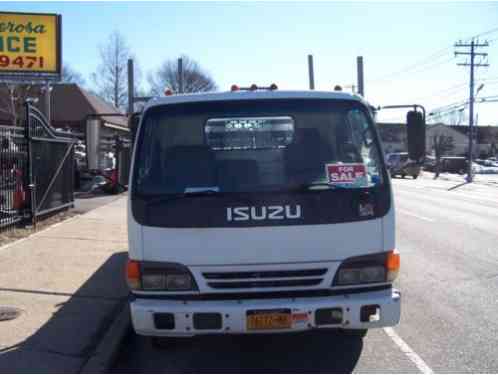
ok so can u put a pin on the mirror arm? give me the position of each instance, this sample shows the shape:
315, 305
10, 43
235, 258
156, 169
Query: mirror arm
414, 106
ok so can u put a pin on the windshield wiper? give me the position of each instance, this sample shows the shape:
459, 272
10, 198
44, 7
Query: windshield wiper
318, 186
175, 196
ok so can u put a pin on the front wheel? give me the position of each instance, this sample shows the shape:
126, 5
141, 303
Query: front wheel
415, 176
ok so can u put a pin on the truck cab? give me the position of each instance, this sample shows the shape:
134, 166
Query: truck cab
260, 211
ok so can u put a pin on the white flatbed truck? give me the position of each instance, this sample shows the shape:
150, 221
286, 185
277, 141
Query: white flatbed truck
261, 211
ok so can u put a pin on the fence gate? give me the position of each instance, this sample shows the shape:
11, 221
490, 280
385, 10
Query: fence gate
13, 169
51, 165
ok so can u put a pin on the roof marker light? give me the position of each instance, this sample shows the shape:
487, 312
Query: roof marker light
168, 92
234, 88
253, 87
273, 86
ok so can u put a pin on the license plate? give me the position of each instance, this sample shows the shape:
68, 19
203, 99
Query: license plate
269, 319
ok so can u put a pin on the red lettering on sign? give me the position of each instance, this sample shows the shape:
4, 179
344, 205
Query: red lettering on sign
345, 173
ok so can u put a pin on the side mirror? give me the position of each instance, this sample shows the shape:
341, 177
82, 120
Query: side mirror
133, 122
415, 124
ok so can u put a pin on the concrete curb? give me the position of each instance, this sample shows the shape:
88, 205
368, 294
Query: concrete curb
108, 348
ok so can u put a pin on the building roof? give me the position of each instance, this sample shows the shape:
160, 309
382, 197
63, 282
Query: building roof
253, 95
70, 104
73, 104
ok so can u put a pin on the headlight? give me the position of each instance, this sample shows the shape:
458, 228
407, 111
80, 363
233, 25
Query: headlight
375, 274
179, 282
154, 281
368, 269
156, 276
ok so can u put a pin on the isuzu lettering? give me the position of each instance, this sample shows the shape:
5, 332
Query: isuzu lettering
260, 211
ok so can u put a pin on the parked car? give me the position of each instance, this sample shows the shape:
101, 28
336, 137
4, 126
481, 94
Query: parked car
399, 164
454, 164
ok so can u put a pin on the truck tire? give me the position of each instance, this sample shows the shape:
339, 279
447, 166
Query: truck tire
403, 176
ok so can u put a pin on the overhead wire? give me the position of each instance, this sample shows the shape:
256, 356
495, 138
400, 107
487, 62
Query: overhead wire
427, 63
435, 60
416, 68
491, 31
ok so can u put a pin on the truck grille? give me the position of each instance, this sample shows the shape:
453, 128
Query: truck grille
265, 279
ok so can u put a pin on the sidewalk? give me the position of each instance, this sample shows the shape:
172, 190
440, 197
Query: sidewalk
68, 280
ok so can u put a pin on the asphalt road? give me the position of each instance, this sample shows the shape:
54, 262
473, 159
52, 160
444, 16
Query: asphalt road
448, 241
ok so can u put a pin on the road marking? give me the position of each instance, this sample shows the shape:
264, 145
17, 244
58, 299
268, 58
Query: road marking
405, 348
415, 215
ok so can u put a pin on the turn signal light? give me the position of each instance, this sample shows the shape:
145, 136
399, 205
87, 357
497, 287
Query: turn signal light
392, 265
133, 274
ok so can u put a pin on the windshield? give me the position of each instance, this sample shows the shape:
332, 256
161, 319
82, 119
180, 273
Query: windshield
255, 146
230, 147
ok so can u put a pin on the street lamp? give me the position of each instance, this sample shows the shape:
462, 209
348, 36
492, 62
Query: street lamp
479, 88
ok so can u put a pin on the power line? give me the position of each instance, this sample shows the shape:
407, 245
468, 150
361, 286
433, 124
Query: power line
424, 64
428, 60
493, 30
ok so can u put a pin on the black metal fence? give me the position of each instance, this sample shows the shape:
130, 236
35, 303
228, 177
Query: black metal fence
37, 170
51, 161
13, 173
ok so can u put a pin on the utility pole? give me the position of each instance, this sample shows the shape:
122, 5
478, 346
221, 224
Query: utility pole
131, 88
180, 75
359, 68
311, 72
472, 53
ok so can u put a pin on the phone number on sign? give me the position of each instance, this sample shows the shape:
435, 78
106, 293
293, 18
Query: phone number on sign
21, 62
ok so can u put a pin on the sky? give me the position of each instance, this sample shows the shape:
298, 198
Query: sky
408, 48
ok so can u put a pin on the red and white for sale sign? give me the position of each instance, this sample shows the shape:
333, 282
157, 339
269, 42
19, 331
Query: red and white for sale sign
345, 173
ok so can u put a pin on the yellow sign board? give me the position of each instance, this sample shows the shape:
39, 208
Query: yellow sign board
30, 43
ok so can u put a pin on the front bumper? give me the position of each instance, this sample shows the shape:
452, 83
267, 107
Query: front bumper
234, 313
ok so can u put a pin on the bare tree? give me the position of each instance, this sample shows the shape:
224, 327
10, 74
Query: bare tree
12, 99
442, 144
69, 75
195, 79
110, 77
